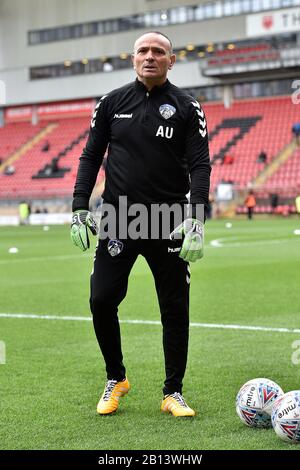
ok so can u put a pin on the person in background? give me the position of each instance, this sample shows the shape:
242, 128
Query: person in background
9, 170
46, 146
296, 132
262, 157
228, 160
209, 210
250, 203
297, 204
24, 213
274, 201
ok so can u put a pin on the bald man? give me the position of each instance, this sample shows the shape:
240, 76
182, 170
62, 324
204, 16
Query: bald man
157, 153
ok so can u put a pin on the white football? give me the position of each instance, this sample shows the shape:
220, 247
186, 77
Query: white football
286, 417
255, 400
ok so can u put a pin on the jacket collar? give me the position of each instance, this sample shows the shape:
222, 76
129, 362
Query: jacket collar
156, 90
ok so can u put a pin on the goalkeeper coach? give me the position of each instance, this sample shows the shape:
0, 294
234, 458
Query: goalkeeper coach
157, 152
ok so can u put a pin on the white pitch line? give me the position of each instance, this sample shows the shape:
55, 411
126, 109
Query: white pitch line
223, 243
32, 316
152, 322
40, 259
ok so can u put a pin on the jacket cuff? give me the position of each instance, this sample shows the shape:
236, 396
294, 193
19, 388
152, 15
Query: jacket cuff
80, 202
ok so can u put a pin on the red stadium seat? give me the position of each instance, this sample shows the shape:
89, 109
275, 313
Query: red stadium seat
271, 133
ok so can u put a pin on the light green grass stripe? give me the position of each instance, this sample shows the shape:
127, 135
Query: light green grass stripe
153, 322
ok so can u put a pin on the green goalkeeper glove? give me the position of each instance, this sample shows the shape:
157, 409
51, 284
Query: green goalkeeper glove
193, 243
81, 220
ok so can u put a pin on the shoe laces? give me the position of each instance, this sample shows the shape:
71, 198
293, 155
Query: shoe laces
110, 385
179, 398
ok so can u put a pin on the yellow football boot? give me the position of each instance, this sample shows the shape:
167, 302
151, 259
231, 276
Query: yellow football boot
109, 401
175, 404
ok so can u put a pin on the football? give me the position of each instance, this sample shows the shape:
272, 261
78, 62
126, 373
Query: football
286, 417
255, 400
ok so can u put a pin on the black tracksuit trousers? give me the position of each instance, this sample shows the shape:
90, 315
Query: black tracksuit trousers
109, 282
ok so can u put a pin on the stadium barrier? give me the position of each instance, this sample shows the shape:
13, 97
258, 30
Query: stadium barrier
38, 219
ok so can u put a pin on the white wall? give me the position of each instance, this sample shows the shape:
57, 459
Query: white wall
91, 85
17, 17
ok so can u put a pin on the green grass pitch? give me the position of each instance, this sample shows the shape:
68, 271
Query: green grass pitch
54, 374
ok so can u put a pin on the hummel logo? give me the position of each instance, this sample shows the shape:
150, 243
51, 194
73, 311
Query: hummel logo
123, 116
173, 250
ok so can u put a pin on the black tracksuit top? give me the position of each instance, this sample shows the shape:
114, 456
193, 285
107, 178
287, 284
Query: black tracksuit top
157, 147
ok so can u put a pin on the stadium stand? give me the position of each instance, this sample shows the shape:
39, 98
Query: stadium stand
259, 52
288, 175
237, 135
231, 55
66, 141
267, 124
13, 136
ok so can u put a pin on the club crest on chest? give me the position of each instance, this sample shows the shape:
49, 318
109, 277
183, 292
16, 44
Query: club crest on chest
167, 110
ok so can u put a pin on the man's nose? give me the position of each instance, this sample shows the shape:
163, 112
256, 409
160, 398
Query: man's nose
149, 55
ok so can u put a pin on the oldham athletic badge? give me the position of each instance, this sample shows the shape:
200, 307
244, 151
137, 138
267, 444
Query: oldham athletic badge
167, 110
114, 247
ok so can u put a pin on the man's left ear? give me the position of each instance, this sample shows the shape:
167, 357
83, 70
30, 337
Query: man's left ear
173, 60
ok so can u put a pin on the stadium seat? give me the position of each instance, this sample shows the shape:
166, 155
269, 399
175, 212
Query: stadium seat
66, 141
242, 132
271, 133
